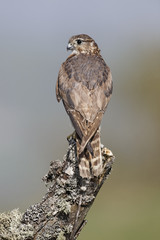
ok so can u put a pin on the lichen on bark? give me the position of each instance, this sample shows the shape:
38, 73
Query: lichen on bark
61, 213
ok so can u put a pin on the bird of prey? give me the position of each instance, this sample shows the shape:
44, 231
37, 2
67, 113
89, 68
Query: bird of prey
85, 86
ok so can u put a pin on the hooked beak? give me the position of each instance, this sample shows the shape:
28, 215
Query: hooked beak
69, 47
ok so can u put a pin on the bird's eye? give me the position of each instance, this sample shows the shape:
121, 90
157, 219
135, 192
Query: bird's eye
79, 41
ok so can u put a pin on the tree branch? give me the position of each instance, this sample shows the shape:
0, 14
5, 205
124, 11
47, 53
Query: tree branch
61, 213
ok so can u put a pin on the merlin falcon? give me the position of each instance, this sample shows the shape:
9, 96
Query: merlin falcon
85, 86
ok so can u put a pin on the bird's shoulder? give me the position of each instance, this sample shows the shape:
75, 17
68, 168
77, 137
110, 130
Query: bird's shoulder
88, 69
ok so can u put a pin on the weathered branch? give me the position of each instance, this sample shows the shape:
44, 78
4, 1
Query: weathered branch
61, 213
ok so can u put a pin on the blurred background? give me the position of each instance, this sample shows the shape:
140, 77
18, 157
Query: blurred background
34, 127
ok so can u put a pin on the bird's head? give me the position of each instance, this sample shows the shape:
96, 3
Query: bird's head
82, 44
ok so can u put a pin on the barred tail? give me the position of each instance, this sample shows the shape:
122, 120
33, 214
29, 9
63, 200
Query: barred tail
90, 164
84, 167
96, 160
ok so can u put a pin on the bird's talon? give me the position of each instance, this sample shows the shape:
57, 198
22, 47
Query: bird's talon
72, 136
107, 152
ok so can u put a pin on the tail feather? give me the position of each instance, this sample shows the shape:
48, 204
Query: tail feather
84, 168
90, 163
96, 160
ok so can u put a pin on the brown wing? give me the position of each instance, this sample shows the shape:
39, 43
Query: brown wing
85, 86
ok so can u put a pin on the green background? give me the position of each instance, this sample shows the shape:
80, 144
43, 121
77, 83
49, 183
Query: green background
34, 127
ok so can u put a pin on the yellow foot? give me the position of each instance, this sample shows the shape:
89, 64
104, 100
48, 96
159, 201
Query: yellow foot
106, 152
73, 136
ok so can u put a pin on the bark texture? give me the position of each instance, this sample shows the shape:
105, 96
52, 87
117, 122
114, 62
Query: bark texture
61, 213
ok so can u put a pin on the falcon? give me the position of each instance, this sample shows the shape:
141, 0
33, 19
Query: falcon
85, 86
